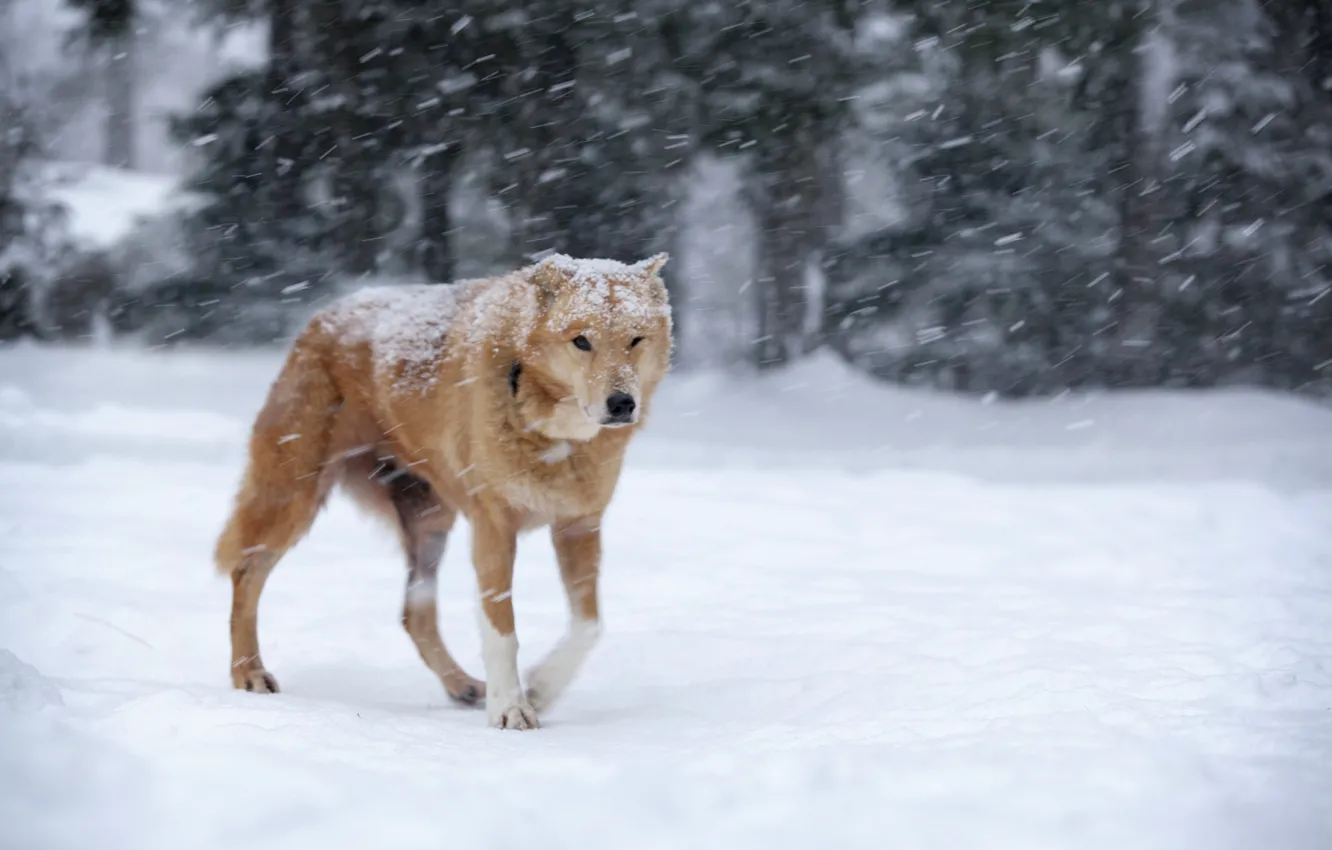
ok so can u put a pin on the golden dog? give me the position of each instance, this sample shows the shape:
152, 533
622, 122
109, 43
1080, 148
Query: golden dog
510, 400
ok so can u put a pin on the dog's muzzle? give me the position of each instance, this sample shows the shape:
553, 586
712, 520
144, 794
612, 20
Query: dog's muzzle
620, 409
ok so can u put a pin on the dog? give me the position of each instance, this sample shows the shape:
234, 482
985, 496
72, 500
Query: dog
510, 400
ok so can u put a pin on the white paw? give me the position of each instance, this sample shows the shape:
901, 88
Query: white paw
551, 677
518, 713
547, 681
539, 692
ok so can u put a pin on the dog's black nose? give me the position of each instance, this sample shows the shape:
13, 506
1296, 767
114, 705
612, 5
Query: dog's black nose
620, 406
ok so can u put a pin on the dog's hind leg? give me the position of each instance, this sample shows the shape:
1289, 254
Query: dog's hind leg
247, 583
383, 485
425, 522
286, 481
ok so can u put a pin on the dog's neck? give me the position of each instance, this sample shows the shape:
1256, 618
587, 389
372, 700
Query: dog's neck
536, 411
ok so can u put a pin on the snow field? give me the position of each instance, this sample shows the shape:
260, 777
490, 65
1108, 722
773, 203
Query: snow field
836, 615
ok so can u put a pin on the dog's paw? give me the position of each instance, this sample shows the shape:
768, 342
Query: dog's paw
541, 692
466, 691
538, 698
546, 682
551, 678
255, 679
518, 714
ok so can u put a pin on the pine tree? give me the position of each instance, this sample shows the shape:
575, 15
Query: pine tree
16, 147
32, 239
1252, 145
771, 81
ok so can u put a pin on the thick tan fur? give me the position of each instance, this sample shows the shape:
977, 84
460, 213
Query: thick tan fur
493, 399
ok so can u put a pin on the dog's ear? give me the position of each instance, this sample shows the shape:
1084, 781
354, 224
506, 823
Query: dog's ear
547, 277
654, 264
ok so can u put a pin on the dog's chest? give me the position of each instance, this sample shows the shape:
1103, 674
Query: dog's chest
555, 482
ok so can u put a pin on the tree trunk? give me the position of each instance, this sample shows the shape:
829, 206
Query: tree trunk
436, 242
794, 220
357, 161
118, 151
283, 170
1143, 219
357, 191
1138, 307
780, 289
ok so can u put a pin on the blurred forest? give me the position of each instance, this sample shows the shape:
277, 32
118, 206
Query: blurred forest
981, 195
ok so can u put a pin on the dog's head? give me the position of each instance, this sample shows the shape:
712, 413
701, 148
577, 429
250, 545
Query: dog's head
600, 345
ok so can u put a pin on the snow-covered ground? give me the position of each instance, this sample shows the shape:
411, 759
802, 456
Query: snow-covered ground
838, 615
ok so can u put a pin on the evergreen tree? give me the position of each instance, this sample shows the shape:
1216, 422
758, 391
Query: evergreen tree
995, 278
771, 81
378, 87
1252, 143
16, 148
31, 233
1116, 194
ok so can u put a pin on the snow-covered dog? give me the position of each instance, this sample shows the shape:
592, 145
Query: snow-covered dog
510, 400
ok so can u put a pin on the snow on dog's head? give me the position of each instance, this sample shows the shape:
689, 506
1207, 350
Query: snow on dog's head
602, 341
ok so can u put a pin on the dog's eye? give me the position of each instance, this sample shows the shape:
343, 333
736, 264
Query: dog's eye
580, 342
635, 341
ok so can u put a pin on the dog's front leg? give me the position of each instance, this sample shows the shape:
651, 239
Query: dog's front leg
578, 548
493, 549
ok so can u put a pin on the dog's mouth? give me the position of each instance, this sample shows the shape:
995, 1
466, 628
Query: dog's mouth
604, 419
614, 419
601, 417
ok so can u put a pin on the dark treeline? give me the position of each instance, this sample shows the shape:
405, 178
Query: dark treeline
986, 195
